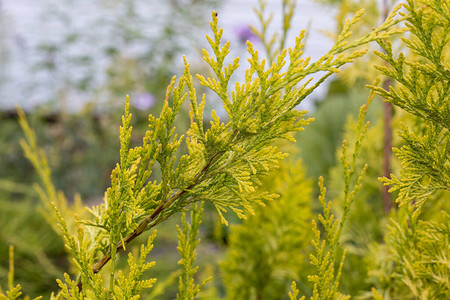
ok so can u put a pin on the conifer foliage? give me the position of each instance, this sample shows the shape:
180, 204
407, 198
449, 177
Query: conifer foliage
423, 90
223, 165
418, 266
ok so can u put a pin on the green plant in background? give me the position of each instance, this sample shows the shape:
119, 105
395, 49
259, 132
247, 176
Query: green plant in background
39, 251
14, 291
267, 250
328, 267
320, 143
366, 221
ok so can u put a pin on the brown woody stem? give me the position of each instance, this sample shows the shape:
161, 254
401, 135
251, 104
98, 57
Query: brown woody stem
387, 145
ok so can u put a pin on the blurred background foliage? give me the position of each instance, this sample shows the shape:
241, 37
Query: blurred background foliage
268, 250
82, 147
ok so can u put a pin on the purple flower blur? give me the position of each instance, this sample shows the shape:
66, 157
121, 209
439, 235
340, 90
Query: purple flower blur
245, 33
144, 101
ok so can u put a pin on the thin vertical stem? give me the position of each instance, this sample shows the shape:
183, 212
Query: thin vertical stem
387, 145
387, 150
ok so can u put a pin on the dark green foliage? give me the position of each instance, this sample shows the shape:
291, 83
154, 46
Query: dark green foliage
75, 161
13, 292
319, 144
39, 252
